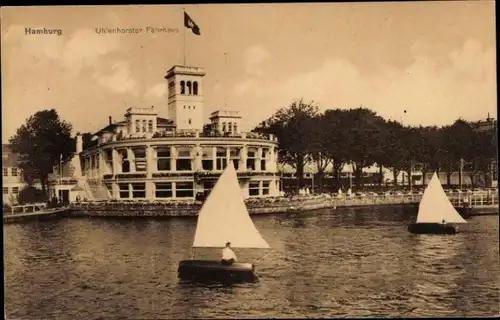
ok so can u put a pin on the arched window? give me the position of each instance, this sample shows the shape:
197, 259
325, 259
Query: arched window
189, 87
183, 88
195, 88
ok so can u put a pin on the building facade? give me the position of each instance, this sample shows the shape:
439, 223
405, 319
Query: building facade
149, 157
12, 181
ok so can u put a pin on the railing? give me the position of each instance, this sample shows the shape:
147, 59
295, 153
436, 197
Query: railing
65, 181
197, 134
456, 200
27, 208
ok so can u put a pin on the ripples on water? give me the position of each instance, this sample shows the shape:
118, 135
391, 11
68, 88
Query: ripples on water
347, 263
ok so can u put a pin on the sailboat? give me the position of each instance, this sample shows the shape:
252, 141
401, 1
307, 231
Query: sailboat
436, 214
223, 218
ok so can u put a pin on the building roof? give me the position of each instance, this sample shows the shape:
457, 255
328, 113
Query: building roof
164, 122
10, 159
111, 127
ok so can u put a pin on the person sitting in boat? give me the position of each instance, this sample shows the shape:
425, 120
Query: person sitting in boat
228, 256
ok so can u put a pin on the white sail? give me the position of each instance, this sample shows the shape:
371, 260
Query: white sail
224, 217
435, 205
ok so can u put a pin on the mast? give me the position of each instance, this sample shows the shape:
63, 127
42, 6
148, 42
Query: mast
184, 17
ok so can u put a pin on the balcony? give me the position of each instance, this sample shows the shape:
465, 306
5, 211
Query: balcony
209, 175
64, 181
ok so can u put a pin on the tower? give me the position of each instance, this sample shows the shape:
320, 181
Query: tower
185, 97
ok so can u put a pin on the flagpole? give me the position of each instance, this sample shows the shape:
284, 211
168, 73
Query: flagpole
183, 17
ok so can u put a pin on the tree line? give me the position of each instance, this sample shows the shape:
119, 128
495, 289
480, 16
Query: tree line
337, 137
362, 138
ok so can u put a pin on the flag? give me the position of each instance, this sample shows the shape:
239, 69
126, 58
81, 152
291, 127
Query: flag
189, 23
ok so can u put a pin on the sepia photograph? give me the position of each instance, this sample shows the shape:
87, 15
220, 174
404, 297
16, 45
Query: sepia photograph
250, 161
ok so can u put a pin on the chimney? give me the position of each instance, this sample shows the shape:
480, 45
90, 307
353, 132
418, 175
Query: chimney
110, 120
79, 143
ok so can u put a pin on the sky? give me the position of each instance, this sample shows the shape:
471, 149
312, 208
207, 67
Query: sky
436, 60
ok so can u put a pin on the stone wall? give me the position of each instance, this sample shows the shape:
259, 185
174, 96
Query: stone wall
186, 209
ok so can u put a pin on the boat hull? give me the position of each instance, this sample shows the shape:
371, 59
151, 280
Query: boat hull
215, 271
431, 228
465, 212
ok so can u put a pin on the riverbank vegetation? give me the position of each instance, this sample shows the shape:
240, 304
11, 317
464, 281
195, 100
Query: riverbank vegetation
41, 143
362, 138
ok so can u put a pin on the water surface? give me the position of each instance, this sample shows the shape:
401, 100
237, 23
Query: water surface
352, 262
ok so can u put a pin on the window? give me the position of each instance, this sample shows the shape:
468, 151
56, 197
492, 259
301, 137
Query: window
189, 87
183, 162
125, 162
183, 88
221, 159
163, 190
108, 155
150, 126
189, 121
15, 190
251, 157
5, 190
229, 127
14, 172
184, 190
265, 187
124, 192
195, 88
140, 159
235, 157
138, 190
207, 159
144, 126
253, 188
235, 127
96, 160
263, 160
163, 159
5, 172
208, 186
137, 126
223, 127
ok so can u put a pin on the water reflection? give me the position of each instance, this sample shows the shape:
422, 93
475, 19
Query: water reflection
438, 274
354, 262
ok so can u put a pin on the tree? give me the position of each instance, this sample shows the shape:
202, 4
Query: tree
391, 154
483, 152
30, 194
319, 148
292, 126
364, 138
456, 144
42, 142
333, 135
427, 149
207, 129
87, 141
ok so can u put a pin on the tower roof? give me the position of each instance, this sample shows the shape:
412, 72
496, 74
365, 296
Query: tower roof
185, 70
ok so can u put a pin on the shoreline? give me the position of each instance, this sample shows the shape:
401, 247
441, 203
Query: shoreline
278, 205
